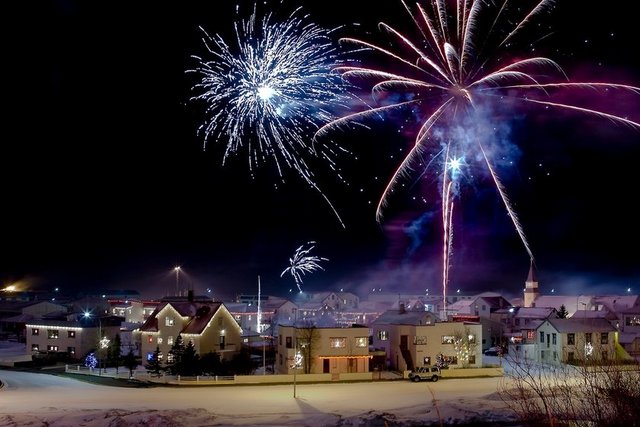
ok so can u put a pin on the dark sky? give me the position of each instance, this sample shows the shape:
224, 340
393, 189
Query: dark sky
106, 184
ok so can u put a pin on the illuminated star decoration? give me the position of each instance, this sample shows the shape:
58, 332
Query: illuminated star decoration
269, 92
301, 263
449, 72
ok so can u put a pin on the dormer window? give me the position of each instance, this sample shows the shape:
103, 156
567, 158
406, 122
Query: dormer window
169, 321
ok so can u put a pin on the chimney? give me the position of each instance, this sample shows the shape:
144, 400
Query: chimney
190, 295
402, 310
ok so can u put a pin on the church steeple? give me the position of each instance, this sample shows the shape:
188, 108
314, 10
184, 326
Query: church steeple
531, 287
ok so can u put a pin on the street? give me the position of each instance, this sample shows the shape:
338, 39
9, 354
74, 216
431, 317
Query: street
33, 397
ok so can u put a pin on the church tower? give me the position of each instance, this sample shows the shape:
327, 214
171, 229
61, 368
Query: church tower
531, 288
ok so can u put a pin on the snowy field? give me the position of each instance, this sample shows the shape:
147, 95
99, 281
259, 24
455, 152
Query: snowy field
40, 399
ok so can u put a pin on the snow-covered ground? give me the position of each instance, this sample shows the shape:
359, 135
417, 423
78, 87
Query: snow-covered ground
41, 399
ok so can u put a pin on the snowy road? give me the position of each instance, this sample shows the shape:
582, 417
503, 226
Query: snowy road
32, 397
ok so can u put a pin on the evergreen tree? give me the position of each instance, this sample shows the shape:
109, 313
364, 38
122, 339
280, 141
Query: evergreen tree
210, 363
189, 364
562, 313
176, 352
130, 362
154, 365
113, 354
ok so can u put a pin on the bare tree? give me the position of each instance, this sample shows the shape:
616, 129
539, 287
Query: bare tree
602, 392
307, 343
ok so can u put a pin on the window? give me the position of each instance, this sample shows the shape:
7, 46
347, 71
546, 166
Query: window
427, 360
150, 339
149, 356
632, 321
587, 337
35, 331
170, 340
280, 340
338, 342
362, 342
553, 338
570, 356
159, 340
541, 336
472, 359
35, 347
448, 339
71, 334
604, 338
169, 321
53, 334
531, 335
280, 359
542, 355
289, 343
420, 340
71, 351
170, 357
383, 335
571, 339
555, 355
52, 348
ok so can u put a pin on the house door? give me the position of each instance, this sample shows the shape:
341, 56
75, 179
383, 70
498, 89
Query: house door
325, 366
222, 340
404, 340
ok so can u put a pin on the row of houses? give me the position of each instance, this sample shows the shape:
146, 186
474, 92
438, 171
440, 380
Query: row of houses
329, 329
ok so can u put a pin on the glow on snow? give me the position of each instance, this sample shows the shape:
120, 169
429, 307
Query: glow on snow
270, 91
450, 73
302, 262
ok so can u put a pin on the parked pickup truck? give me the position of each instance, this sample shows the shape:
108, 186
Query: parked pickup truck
425, 373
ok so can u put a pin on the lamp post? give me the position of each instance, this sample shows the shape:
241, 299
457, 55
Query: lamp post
297, 363
103, 342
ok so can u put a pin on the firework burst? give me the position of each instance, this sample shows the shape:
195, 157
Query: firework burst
453, 75
270, 91
302, 262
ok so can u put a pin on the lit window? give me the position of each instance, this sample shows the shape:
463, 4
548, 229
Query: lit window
383, 335
170, 340
169, 321
35, 347
448, 339
52, 348
362, 341
150, 339
35, 331
340, 342
52, 334
71, 351
420, 340
71, 334
159, 340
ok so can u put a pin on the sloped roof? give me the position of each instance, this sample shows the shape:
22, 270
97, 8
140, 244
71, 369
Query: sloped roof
397, 317
617, 303
534, 312
594, 314
581, 325
199, 314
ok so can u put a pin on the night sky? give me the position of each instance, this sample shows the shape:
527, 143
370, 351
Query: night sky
106, 184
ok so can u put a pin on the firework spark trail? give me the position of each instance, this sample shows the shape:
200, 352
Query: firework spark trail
301, 263
453, 69
270, 92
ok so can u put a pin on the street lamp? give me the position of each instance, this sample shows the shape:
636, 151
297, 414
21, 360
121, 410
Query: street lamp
297, 363
103, 342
